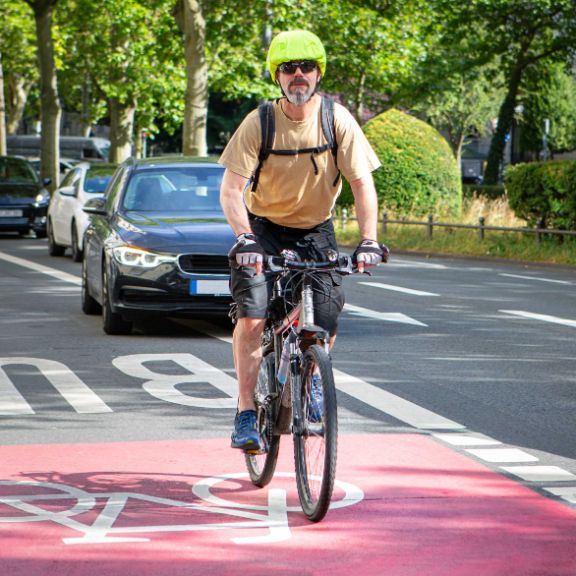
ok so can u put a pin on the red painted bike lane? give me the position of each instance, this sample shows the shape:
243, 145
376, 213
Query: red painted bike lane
405, 505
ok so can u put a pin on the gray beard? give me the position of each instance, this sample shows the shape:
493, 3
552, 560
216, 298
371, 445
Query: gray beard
300, 98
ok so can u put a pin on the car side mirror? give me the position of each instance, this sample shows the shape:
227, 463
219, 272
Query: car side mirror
95, 206
47, 181
67, 191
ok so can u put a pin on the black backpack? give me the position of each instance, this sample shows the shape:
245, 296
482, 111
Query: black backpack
268, 128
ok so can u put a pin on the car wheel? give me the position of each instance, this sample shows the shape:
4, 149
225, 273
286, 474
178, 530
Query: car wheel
53, 248
89, 305
112, 322
76, 251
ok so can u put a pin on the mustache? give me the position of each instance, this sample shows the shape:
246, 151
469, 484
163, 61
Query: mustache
299, 82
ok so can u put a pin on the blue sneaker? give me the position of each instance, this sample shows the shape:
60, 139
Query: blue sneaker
245, 436
316, 400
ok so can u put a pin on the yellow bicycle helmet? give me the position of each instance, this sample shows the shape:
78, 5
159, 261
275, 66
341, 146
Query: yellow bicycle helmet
295, 45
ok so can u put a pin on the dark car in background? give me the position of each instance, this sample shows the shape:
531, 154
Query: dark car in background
157, 243
23, 198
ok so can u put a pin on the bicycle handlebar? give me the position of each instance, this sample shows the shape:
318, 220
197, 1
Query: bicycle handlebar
342, 265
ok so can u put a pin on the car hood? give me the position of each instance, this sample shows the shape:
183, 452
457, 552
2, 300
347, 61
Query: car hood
18, 193
166, 232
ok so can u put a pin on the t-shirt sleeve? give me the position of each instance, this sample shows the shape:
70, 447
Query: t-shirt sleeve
241, 153
356, 157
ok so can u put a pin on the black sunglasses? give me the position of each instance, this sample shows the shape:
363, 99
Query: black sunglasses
305, 66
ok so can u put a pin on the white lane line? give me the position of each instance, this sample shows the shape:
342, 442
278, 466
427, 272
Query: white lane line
502, 455
467, 440
536, 278
389, 403
386, 316
398, 289
64, 276
542, 317
540, 473
567, 493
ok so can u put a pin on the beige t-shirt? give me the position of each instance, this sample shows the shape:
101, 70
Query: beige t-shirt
289, 192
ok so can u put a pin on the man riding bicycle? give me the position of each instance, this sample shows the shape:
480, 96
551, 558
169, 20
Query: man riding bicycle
283, 200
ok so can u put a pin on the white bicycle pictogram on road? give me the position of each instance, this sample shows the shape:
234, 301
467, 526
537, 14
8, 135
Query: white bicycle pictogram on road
273, 517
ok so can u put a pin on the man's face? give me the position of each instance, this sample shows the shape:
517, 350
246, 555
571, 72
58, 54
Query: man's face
298, 80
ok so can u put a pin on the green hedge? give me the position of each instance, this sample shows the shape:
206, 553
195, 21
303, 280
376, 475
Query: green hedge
544, 192
419, 173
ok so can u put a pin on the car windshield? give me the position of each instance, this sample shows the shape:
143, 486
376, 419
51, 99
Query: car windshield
16, 171
97, 179
181, 189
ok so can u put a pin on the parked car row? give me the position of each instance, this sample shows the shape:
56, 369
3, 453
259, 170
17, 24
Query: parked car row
151, 234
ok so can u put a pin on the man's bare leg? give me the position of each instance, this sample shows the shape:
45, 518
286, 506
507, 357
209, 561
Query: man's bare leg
247, 340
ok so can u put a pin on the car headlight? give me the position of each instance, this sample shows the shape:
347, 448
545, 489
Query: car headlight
130, 256
42, 197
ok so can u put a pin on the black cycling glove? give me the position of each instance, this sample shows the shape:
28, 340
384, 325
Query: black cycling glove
247, 251
370, 253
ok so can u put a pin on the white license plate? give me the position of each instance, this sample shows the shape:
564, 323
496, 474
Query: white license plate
11, 213
214, 287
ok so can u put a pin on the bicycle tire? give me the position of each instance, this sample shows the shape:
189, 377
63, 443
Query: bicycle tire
261, 467
315, 448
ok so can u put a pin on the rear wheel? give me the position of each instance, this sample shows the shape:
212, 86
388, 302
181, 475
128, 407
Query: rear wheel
261, 466
76, 250
315, 445
53, 248
112, 322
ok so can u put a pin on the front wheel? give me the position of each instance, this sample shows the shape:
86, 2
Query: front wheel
112, 322
261, 466
315, 444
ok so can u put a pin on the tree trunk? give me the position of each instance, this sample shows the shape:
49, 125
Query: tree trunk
121, 129
51, 110
189, 17
3, 150
492, 173
359, 99
18, 89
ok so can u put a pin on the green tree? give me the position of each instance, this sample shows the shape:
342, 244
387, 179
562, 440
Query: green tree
549, 94
18, 48
520, 33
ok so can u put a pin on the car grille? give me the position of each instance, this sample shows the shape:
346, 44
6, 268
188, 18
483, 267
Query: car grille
204, 264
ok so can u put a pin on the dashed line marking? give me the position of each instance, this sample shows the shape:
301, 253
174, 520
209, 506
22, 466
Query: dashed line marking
542, 317
398, 289
565, 282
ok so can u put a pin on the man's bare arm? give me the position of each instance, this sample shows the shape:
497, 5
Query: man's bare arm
231, 199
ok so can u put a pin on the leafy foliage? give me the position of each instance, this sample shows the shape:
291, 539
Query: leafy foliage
419, 174
544, 193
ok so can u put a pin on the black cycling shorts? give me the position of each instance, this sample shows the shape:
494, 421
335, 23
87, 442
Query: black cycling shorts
252, 293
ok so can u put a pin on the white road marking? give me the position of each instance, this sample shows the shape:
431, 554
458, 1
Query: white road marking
567, 493
398, 289
502, 455
542, 317
466, 440
536, 278
540, 473
389, 403
70, 387
386, 316
58, 274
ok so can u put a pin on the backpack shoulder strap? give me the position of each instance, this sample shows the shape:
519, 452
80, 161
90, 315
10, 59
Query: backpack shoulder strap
268, 131
329, 129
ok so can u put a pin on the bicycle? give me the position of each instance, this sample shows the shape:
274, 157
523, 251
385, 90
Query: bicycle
295, 365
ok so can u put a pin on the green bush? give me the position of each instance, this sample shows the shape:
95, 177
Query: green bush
544, 192
419, 174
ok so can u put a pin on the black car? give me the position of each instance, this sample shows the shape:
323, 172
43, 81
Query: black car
23, 198
157, 243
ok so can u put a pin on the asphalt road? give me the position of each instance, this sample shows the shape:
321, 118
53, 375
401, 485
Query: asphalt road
479, 356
